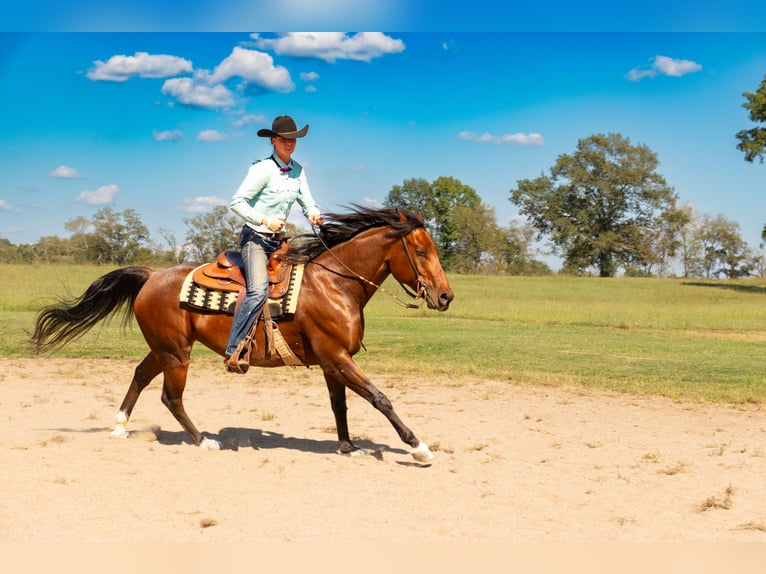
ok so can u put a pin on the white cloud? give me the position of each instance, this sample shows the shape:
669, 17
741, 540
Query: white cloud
121, 68
255, 68
310, 89
101, 196
332, 46
211, 136
533, 139
671, 67
249, 119
663, 65
65, 172
197, 92
5, 206
168, 135
202, 204
309, 76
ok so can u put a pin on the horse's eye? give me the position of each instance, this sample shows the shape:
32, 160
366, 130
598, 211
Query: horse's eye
420, 253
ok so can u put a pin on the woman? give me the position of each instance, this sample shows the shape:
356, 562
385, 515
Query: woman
263, 200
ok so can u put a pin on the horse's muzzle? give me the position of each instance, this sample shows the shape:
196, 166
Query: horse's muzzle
441, 302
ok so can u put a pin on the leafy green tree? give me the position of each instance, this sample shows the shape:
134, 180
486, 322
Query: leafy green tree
478, 247
599, 203
517, 251
119, 238
723, 251
112, 237
752, 142
689, 248
414, 194
437, 201
448, 195
9, 253
53, 249
665, 242
209, 234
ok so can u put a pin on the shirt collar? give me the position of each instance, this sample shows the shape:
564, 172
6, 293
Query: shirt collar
283, 167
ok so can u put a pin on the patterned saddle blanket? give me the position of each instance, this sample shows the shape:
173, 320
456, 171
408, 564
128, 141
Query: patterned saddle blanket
218, 285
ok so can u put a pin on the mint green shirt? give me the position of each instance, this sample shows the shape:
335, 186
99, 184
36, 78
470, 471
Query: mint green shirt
270, 189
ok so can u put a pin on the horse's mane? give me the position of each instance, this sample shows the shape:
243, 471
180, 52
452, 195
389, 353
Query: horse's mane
341, 227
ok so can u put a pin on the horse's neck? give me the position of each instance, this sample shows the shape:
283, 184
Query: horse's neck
363, 257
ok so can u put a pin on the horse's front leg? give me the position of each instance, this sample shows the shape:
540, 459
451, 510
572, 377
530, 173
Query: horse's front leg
340, 409
346, 372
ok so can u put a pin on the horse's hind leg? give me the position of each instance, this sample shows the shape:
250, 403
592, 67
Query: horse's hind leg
172, 398
142, 376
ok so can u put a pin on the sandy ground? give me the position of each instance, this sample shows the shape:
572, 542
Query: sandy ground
513, 463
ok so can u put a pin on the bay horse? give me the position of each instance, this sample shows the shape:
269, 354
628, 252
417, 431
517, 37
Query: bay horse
346, 261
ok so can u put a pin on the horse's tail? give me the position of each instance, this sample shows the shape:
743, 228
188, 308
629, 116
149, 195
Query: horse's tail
61, 323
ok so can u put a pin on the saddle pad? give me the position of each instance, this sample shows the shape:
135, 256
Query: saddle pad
225, 301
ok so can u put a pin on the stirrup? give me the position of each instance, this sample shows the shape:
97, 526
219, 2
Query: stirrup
236, 365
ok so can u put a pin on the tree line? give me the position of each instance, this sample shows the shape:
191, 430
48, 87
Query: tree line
603, 209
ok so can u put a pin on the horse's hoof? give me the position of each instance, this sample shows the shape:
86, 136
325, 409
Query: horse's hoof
422, 453
209, 444
119, 432
354, 453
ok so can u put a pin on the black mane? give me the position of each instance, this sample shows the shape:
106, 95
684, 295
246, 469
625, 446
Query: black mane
340, 227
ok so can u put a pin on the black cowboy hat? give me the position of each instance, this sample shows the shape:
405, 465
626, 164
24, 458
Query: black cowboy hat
283, 127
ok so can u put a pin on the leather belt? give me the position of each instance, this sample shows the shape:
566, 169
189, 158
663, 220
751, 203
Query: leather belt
280, 235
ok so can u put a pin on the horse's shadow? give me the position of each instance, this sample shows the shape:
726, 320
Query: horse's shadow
236, 438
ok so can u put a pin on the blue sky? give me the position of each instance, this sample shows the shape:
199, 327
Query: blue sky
165, 123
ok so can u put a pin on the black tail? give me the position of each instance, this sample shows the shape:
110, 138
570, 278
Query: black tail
59, 324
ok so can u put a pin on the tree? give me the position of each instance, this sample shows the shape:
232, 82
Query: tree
723, 251
437, 201
752, 142
689, 244
113, 237
209, 234
478, 248
9, 253
118, 238
601, 206
518, 254
465, 229
668, 239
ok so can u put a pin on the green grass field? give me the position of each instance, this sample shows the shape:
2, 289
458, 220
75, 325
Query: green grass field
684, 339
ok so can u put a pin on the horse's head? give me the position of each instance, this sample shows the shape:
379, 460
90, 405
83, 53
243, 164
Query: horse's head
415, 263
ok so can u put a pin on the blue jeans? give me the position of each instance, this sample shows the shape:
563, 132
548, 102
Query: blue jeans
255, 250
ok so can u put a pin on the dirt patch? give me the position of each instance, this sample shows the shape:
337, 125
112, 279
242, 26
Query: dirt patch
513, 463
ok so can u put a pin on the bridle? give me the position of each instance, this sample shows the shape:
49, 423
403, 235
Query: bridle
420, 285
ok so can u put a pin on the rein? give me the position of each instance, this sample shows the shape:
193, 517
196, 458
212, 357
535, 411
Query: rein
396, 299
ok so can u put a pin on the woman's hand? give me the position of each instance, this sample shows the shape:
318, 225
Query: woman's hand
315, 219
275, 224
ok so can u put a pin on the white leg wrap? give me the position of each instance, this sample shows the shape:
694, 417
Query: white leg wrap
422, 453
210, 444
119, 428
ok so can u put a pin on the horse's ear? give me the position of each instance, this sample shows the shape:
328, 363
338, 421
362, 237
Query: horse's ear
420, 216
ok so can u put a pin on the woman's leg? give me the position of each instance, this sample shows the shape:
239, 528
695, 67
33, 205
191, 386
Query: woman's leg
255, 255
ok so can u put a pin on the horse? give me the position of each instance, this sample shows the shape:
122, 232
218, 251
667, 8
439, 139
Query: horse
345, 262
